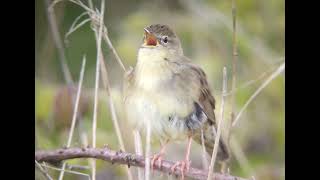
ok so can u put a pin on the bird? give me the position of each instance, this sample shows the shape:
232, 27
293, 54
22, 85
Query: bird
171, 93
